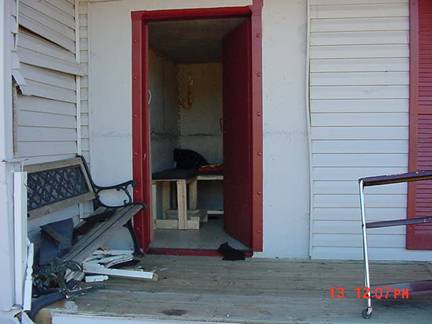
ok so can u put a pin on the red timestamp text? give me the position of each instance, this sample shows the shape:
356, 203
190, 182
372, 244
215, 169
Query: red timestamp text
385, 293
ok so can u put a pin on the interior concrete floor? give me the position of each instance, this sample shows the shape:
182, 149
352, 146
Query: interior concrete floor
257, 290
209, 237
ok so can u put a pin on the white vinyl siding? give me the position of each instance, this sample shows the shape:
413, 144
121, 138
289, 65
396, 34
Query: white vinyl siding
359, 91
45, 106
84, 61
50, 19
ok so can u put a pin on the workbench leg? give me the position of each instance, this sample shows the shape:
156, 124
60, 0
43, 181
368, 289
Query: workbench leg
193, 194
166, 197
154, 201
182, 204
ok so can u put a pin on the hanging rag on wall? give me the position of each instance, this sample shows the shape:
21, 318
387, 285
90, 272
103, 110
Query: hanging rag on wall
185, 95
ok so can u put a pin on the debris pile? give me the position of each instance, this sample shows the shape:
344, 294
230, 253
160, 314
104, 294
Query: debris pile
104, 263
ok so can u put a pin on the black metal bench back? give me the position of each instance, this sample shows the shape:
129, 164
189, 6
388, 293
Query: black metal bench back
56, 185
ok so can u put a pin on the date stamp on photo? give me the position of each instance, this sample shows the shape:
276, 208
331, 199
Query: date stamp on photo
379, 293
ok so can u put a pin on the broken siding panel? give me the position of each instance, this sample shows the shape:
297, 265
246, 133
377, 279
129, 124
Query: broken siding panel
45, 117
45, 83
35, 50
47, 91
37, 74
49, 8
47, 27
359, 79
45, 109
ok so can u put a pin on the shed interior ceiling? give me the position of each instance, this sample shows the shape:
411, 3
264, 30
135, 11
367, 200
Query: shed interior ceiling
191, 41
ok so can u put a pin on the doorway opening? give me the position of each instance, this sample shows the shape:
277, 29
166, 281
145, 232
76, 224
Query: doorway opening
197, 129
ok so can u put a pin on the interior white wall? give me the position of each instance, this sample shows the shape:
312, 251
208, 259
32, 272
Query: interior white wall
286, 175
199, 125
163, 110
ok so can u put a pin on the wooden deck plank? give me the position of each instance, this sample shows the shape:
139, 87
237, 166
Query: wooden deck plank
253, 291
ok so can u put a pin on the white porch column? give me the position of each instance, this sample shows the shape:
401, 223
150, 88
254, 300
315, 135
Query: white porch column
6, 153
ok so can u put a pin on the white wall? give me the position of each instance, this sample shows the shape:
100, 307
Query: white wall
359, 116
285, 145
286, 169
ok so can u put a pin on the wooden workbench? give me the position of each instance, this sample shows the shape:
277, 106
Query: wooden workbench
185, 181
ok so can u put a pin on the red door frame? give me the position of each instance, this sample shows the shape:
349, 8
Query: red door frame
141, 119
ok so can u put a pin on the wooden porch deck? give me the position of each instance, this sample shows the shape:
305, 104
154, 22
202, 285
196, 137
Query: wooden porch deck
208, 289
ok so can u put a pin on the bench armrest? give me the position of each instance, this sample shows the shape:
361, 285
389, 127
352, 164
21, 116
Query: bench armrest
119, 187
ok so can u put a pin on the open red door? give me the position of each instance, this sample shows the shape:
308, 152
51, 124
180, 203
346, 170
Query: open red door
243, 133
237, 134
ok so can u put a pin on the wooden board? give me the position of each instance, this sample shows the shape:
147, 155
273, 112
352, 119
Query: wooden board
92, 240
193, 194
201, 213
182, 204
191, 224
210, 177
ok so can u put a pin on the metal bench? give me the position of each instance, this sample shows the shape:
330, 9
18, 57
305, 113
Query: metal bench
57, 185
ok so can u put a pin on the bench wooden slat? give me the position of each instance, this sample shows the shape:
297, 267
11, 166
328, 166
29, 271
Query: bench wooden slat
32, 168
100, 233
48, 209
